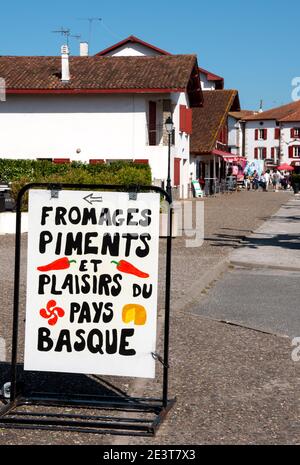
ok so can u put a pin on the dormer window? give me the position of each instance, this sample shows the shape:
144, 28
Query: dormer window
295, 133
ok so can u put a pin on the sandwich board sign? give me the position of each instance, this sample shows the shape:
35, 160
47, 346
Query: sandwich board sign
197, 189
92, 275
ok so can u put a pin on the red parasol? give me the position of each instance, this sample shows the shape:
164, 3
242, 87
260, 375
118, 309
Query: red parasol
285, 167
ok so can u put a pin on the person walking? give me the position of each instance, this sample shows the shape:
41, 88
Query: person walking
276, 177
267, 179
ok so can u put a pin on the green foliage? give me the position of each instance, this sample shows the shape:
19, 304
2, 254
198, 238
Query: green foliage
21, 172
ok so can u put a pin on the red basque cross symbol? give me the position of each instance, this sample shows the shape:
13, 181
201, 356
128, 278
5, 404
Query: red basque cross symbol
52, 312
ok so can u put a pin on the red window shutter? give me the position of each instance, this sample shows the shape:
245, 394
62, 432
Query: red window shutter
141, 160
182, 118
291, 151
152, 123
265, 134
61, 160
95, 161
292, 132
176, 171
256, 134
188, 120
277, 133
264, 152
256, 153
272, 152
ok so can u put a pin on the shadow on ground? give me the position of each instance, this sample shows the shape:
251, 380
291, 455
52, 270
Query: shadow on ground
60, 383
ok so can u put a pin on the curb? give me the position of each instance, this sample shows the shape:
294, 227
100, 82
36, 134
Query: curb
194, 292
263, 265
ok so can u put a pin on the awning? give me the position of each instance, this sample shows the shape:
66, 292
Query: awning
227, 156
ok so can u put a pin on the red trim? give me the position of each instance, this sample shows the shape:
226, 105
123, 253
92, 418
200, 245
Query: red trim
223, 154
188, 121
141, 160
96, 161
277, 133
134, 40
61, 160
182, 117
210, 76
93, 91
177, 162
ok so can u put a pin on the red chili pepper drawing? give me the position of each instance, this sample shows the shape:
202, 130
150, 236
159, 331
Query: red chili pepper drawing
127, 267
59, 264
51, 312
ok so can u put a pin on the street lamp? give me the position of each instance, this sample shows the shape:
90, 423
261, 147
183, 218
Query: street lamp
169, 128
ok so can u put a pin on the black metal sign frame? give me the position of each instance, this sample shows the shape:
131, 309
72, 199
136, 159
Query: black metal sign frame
139, 416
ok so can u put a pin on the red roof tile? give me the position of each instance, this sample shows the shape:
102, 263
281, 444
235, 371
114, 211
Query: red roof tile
288, 112
163, 73
210, 118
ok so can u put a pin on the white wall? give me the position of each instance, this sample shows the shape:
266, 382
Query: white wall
205, 84
101, 126
251, 143
233, 134
132, 49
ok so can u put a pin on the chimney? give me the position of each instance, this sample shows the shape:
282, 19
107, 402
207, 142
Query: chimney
65, 69
84, 49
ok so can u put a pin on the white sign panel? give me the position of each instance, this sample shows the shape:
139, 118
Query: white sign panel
92, 283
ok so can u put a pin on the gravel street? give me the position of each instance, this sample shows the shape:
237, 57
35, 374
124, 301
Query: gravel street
232, 384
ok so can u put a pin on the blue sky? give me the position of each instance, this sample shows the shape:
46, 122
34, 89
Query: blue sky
254, 45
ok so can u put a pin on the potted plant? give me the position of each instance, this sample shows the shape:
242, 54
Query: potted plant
296, 183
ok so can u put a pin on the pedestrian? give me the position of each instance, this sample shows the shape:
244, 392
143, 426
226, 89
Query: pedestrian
247, 182
263, 181
255, 181
276, 177
267, 179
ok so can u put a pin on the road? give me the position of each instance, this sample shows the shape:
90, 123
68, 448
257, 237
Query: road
258, 298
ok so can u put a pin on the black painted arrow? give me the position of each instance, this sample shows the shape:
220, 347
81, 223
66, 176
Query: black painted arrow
90, 199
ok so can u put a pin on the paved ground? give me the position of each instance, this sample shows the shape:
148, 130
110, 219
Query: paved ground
233, 385
277, 241
264, 299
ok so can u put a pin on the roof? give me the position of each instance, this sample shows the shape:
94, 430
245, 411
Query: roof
241, 114
174, 73
288, 112
135, 40
211, 117
211, 76
132, 40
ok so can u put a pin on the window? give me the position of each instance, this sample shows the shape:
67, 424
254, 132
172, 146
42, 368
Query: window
274, 153
260, 153
296, 151
296, 132
152, 123
260, 134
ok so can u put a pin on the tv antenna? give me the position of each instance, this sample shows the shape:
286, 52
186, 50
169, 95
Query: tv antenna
65, 32
76, 36
90, 21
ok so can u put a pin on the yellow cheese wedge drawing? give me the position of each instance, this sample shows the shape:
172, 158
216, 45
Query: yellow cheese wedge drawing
134, 312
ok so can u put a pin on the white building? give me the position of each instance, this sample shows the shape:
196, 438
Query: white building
273, 136
100, 109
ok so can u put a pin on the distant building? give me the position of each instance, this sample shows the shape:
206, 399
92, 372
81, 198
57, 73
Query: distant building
210, 151
273, 136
